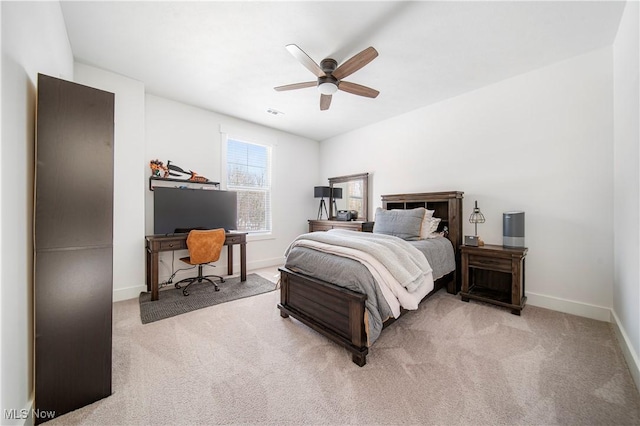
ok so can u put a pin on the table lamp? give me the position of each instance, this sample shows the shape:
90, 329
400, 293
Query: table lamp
475, 218
321, 192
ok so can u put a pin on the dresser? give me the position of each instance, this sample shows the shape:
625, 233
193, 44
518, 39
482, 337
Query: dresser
354, 225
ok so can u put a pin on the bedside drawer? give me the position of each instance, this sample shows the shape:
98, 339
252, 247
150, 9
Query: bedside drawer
173, 245
493, 263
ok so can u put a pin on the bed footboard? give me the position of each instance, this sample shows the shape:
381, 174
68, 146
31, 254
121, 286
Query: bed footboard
333, 311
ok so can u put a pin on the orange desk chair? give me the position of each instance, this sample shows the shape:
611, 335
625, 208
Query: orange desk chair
204, 247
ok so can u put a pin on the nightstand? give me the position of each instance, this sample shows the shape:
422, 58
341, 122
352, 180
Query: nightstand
494, 274
354, 225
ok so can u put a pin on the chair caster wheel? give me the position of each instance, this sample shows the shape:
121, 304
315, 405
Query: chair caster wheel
217, 288
185, 292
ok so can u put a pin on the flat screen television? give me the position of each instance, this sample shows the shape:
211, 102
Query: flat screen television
179, 210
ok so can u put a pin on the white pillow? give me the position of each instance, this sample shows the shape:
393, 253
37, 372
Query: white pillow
425, 228
434, 228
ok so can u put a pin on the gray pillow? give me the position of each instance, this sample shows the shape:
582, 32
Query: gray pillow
404, 224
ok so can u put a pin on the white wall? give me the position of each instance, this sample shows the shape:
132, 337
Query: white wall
34, 40
129, 177
191, 138
626, 285
549, 131
539, 142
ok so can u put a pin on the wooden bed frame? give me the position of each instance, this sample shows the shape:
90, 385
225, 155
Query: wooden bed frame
338, 313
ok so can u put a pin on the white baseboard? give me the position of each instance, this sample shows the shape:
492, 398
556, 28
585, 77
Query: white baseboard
128, 292
134, 291
569, 306
629, 353
266, 263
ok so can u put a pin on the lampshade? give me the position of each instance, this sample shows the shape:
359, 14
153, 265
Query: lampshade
337, 193
327, 88
322, 191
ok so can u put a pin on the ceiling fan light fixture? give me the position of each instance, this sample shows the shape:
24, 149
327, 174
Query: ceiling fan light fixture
327, 88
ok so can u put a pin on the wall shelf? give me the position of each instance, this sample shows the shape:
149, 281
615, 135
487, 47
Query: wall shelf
186, 182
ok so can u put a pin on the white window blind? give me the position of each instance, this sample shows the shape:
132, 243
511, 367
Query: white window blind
249, 173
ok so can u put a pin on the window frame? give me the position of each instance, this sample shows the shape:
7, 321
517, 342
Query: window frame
259, 140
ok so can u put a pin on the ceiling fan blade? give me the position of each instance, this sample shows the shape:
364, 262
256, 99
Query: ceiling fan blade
355, 63
305, 60
325, 102
296, 86
358, 89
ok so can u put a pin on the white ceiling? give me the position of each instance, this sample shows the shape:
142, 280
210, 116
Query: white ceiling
228, 56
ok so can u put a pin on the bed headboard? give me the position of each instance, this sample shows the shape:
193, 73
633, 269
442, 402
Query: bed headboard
447, 206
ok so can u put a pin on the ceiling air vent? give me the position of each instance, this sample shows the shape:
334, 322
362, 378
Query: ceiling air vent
274, 112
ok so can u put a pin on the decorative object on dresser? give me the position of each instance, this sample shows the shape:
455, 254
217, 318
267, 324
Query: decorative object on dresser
513, 229
475, 218
347, 215
343, 315
321, 192
494, 274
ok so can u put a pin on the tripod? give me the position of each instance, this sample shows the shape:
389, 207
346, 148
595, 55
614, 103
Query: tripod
322, 204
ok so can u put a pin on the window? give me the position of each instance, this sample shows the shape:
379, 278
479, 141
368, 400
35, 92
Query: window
249, 173
354, 195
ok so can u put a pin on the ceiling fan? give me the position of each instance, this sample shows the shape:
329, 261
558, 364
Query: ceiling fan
330, 75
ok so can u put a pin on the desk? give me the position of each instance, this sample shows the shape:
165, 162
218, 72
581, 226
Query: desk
157, 243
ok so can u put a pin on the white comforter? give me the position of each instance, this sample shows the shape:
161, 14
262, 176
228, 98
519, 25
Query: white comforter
401, 271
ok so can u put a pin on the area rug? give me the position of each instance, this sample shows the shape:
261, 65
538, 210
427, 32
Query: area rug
201, 295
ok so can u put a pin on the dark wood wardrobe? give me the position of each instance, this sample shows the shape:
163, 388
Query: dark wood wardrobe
73, 235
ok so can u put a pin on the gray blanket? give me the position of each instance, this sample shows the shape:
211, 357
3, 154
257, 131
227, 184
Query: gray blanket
406, 263
439, 252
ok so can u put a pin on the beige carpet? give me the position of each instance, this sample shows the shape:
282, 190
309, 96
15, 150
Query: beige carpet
447, 363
